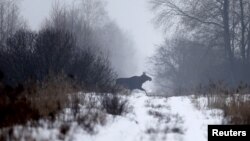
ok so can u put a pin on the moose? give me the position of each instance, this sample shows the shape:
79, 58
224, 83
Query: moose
134, 82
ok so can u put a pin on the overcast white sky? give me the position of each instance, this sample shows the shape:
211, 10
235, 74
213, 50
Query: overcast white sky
133, 16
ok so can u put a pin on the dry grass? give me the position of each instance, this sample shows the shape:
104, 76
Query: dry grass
233, 101
34, 100
52, 95
50, 100
236, 107
220, 87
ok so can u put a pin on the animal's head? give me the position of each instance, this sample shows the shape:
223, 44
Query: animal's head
145, 77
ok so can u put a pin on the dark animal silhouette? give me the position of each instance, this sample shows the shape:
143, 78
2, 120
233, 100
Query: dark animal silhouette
134, 82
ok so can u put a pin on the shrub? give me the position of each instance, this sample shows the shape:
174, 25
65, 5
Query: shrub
34, 100
86, 110
114, 104
34, 82
52, 95
93, 70
16, 112
15, 108
89, 120
31, 55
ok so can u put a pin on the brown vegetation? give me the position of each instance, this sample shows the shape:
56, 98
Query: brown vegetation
236, 108
34, 100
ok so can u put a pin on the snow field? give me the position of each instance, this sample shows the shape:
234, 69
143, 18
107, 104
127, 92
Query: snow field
149, 119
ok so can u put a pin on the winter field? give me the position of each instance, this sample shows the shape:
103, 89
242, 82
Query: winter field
73, 70
148, 118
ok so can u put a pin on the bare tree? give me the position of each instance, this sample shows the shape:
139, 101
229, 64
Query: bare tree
54, 51
219, 26
10, 20
17, 60
89, 23
81, 18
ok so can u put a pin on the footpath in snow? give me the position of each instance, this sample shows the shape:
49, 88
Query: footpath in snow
156, 119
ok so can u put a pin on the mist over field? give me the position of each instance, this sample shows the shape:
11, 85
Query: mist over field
141, 34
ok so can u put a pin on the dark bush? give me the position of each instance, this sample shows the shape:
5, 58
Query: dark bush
33, 81
15, 108
17, 59
33, 56
17, 112
93, 71
54, 51
114, 104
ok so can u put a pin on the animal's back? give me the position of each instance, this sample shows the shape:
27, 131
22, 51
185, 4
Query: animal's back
130, 83
122, 82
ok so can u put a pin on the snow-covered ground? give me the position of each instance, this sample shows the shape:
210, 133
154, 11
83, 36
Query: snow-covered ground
149, 119
156, 119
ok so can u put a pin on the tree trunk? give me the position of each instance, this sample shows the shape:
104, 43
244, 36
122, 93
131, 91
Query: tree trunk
227, 40
243, 30
226, 27
248, 44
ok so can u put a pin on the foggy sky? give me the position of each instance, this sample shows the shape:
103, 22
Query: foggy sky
133, 16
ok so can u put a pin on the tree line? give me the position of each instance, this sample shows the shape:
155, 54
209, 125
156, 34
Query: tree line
210, 43
79, 40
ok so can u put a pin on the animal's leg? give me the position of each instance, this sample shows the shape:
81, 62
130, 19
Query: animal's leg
144, 91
